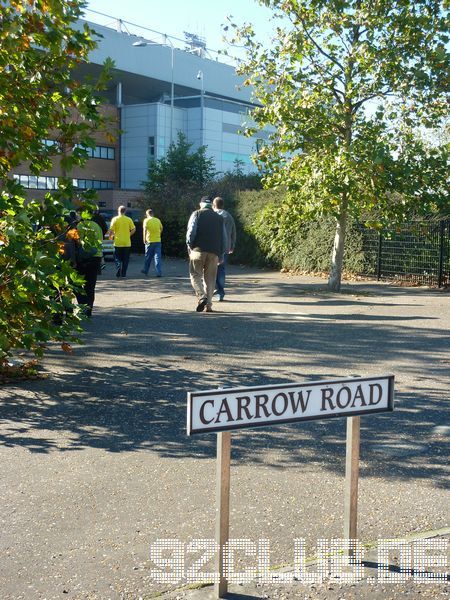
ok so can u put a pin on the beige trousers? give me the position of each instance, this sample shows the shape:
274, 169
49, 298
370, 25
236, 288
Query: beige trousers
203, 271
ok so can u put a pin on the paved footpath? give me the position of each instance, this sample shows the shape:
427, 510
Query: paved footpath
96, 465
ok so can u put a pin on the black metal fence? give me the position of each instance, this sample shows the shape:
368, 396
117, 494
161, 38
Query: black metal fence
416, 252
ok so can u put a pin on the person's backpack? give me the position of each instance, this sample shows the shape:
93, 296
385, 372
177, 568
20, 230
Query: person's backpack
85, 249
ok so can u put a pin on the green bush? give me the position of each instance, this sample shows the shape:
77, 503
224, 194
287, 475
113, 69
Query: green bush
312, 246
252, 247
267, 236
173, 202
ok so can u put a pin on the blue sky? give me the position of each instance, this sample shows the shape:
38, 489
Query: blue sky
173, 17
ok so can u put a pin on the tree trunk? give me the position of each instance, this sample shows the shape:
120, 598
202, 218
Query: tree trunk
337, 258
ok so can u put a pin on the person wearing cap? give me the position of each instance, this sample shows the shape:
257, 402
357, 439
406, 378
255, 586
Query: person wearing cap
206, 242
230, 227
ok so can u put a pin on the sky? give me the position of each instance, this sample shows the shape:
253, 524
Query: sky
173, 17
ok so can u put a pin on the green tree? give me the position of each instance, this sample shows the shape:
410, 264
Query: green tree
232, 182
345, 83
181, 168
173, 189
40, 46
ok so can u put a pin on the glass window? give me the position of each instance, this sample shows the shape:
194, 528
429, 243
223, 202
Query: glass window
32, 182
103, 152
151, 147
231, 157
111, 153
230, 128
188, 102
42, 183
96, 152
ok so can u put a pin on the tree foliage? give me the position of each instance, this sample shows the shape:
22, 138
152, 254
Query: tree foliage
40, 45
181, 168
345, 83
173, 189
177, 181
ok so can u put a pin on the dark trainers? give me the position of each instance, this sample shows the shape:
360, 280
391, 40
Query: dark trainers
201, 304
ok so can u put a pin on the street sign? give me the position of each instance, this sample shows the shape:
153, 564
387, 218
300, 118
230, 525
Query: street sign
222, 410
236, 408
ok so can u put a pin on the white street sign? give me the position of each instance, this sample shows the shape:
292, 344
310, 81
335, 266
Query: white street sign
235, 408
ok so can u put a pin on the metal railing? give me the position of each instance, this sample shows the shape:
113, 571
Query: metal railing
416, 252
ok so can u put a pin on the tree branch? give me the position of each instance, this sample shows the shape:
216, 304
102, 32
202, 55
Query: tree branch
319, 48
358, 104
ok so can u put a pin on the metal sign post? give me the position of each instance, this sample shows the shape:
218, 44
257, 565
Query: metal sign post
222, 506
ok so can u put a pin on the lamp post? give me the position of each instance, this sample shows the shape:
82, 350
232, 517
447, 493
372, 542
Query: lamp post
202, 104
142, 43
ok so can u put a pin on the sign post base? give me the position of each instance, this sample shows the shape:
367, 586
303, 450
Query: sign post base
222, 506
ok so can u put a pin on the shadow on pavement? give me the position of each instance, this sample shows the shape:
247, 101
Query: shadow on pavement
134, 398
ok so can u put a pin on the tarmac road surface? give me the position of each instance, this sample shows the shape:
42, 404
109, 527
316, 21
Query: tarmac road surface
96, 465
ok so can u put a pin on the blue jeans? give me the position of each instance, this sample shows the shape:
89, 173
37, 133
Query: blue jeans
220, 278
121, 258
153, 251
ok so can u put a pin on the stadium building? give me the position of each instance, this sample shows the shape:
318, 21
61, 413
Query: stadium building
160, 86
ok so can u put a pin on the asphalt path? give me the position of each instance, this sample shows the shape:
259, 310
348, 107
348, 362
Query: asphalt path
97, 466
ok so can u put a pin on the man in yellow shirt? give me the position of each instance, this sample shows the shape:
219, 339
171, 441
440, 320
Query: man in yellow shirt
151, 229
121, 229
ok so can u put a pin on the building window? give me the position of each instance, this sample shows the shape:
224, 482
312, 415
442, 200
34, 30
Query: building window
231, 157
34, 182
102, 152
161, 145
95, 184
151, 148
230, 128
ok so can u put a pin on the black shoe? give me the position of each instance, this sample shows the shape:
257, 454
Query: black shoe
201, 304
118, 272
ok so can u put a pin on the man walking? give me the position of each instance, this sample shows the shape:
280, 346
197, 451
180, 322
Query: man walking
151, 229
230, 228
88, 257
122, 228
206, 241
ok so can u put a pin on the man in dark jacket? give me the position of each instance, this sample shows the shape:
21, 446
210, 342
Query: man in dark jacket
206, 242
